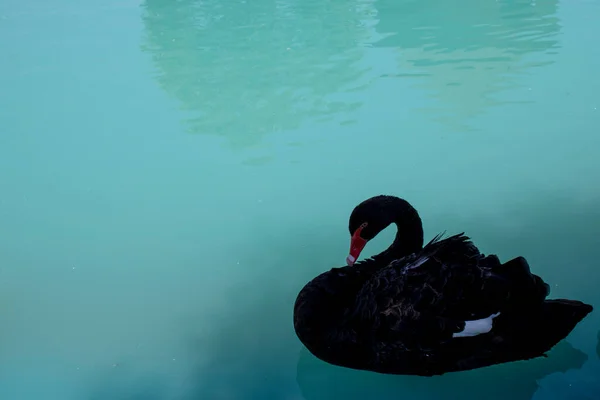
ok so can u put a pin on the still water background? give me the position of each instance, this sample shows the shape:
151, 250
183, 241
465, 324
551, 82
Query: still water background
172, 173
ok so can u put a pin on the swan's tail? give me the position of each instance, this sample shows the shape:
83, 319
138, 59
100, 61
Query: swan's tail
521, 337
529, 325
543, 330
533, 324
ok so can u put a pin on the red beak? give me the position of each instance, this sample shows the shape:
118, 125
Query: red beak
357, 244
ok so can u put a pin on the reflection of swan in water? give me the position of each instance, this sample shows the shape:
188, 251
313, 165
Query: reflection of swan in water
518, 381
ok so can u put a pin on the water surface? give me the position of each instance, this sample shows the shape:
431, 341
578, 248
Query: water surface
172, 173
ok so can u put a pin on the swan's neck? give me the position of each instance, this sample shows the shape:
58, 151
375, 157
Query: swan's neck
409, 237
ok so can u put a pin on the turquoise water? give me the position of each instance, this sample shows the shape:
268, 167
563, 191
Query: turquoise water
172, 173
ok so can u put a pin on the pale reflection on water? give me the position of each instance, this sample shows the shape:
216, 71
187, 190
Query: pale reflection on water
463, 57
247, 69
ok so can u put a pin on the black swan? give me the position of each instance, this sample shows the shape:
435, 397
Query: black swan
427, 310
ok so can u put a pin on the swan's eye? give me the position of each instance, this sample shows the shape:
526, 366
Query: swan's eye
360, 228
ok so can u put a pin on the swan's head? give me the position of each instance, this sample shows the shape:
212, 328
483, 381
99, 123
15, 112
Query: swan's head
366, 221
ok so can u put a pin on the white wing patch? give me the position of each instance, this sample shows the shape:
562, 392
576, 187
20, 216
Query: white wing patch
477, 327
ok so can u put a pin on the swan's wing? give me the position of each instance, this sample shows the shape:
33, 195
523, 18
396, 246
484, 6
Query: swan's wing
428, 297
437, 280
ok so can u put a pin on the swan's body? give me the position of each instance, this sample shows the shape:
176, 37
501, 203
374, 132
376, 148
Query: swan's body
430, 309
